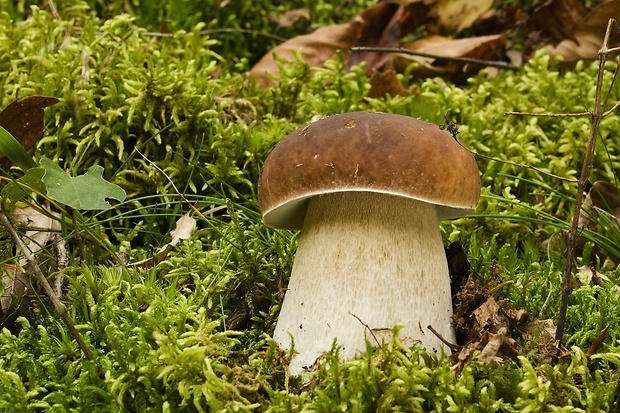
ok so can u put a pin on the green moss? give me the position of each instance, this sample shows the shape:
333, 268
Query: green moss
193, 333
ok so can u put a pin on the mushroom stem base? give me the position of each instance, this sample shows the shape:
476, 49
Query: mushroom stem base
365, 262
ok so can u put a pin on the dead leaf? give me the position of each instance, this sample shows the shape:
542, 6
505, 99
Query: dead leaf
381, 25
488, 317
589, 34
315, 48
15, 284
290, 17
481, 48
183, 230
23, 118
555, 21
594, 277
384, 26
385, 83
499, 20
457, 15
497, 346
493, 347
538, 340
42, 229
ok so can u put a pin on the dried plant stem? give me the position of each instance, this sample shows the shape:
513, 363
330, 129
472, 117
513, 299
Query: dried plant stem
58, 306
478, 62
596, 117
550, 115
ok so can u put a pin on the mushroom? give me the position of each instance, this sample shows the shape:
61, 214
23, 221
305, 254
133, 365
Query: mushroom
367, 191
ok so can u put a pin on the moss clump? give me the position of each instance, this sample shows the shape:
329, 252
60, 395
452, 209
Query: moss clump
192, 333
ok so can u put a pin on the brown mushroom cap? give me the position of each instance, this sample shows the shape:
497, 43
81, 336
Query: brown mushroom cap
363, 151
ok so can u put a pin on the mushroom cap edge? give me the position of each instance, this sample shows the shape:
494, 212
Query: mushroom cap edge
367, 151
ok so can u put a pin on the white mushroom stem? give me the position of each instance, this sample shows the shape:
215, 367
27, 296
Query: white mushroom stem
365, 262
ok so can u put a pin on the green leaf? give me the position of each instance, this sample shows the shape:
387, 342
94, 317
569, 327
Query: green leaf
16, 190
13, 150
86, 192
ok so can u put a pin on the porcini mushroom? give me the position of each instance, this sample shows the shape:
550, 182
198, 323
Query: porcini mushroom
367, 191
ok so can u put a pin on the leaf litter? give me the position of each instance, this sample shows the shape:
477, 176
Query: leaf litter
446, 29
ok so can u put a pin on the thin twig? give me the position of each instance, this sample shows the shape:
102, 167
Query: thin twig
452, 346
58, 306
495, 289
596, 344
367, 327
596, 117
478, 62
550, 115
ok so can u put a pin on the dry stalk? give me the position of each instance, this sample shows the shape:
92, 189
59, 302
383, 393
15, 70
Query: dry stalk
58, 306
467, 60
596, 116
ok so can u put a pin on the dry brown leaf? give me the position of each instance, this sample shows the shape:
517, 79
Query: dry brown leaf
15, 286
498, 346
42, 229
594, 277
381, 25
489, 317
457, 15
482, 48
499, 20
493, 347
589, 34
183, 230
315, 48
381, 29
23, 118
385, 83
291, 17
384, 26
45, 227
557, 20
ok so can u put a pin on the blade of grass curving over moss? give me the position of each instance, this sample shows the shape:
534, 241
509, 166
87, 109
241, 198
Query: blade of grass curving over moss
609, 243
15, 151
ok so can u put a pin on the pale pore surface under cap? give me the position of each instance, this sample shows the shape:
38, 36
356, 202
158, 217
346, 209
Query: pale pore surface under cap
376, 257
